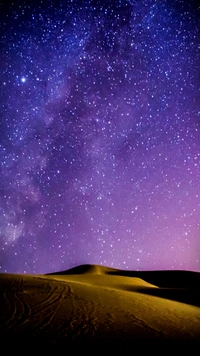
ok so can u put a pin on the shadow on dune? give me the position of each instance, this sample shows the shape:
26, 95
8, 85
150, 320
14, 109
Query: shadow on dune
180, 286
91, 346
188, 296
164, 279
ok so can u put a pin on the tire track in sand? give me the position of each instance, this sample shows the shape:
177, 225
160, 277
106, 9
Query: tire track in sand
82, 321
46, 309
18, 310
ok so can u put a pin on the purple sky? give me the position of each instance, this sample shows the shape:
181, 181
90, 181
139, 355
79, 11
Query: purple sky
99, 135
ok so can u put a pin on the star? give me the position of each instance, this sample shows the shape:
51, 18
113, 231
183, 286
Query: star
23, 79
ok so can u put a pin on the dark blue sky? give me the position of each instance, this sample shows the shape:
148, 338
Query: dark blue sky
99, 135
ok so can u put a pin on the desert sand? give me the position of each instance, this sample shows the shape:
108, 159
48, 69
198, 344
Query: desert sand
93, 306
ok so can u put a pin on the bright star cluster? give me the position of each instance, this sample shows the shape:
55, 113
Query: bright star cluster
99, 135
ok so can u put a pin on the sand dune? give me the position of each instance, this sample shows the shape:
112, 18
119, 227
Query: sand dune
92, 304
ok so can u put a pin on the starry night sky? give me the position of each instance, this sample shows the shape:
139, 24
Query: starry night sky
99, 135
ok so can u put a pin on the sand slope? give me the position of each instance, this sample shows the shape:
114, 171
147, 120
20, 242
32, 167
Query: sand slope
93, 304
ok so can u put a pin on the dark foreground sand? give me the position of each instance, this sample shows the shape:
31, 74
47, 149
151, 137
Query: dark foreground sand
97, 307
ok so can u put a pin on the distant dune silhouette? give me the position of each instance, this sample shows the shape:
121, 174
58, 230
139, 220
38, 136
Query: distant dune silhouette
88, 268
92, 305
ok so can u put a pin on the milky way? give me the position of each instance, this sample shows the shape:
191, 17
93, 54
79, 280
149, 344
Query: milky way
99, 135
